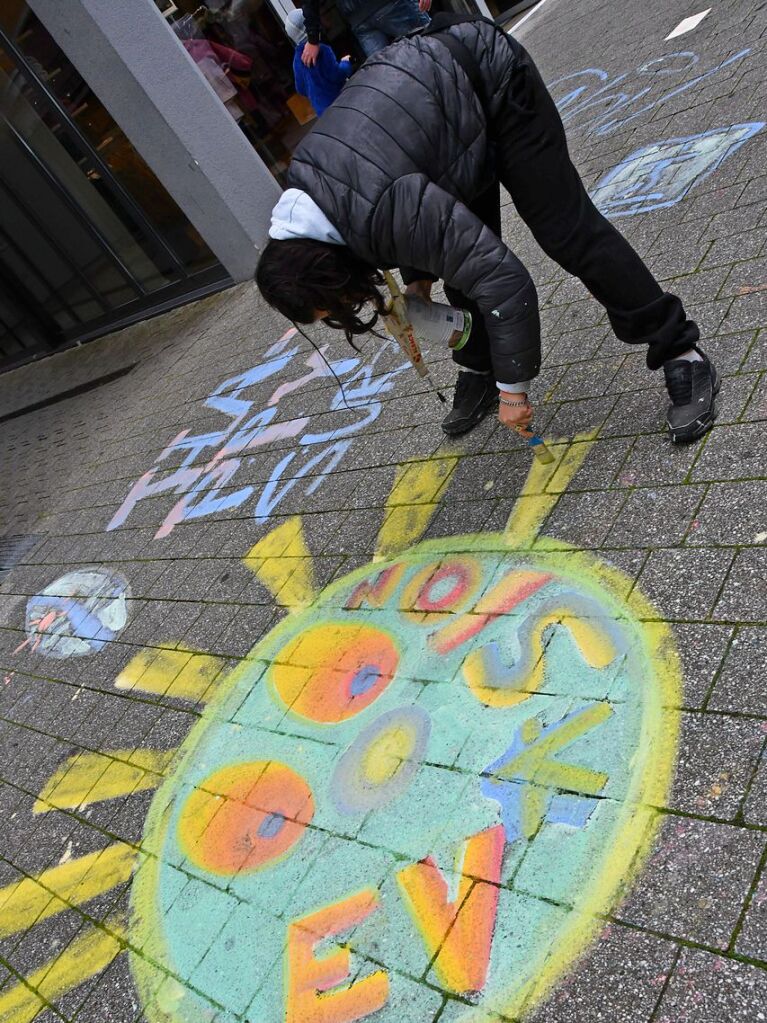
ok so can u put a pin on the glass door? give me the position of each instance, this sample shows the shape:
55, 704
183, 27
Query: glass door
89, 238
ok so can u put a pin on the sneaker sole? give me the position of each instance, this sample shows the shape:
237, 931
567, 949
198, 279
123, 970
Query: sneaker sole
476, 419
698, 427
692, 432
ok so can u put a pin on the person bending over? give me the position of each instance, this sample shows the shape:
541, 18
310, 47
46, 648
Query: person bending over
404, 171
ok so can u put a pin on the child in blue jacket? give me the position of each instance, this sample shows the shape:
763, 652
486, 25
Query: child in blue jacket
321, 82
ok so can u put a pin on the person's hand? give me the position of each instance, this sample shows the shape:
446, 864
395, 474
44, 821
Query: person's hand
424, 6
310, 54
515, 415
420, 289
347, 57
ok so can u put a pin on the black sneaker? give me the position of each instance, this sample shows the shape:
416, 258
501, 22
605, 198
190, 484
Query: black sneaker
475, 396
692, 387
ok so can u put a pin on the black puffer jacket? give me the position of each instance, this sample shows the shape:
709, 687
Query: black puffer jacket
394, 161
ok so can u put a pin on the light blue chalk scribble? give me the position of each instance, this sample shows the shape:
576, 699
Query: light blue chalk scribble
510, 779
662, 174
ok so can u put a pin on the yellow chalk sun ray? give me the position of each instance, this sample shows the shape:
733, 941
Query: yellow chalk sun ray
33, 899
283, 563
87, 778
171, 671
412, 502
84, 958
543, 487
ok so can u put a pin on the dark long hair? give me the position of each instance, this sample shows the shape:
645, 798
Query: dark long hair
298, 276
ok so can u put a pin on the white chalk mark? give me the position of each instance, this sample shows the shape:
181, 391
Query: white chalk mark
515, 28
688, 24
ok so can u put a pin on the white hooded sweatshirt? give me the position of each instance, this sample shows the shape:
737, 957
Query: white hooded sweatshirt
297, 215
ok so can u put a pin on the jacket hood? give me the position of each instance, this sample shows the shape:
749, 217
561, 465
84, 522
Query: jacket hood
294, 26
297, 215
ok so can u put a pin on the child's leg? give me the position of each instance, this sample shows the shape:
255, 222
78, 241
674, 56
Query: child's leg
370, 38
398, 17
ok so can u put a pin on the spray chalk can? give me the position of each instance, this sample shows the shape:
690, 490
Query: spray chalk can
434, 321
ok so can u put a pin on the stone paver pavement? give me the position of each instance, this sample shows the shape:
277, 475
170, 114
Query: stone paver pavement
309, 715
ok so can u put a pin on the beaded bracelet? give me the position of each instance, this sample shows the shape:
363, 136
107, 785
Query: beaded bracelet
514, 404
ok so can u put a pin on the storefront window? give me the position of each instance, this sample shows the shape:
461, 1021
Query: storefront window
88, 235
241, 48
46, 61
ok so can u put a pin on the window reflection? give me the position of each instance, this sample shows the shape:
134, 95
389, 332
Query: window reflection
241, 48
48, 71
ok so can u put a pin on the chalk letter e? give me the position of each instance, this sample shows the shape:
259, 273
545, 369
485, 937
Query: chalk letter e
308, 977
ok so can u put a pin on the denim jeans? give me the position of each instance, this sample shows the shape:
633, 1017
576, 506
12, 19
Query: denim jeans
387, 24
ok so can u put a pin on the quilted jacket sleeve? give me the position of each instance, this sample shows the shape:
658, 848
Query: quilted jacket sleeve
417, 224
311, 9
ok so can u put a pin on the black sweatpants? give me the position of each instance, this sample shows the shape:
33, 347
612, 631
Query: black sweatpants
534, 165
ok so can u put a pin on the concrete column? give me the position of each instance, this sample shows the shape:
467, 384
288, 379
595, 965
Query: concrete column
142, 74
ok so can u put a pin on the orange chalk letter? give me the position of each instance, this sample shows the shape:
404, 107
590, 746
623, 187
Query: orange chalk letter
376, 592
458, 934
309, 996
503, 598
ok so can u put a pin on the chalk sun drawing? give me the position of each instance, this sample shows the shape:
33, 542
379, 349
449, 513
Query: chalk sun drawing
662, 174
415, 798
420, 791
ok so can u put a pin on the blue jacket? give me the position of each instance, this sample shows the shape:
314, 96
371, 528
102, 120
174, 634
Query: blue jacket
323, 82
